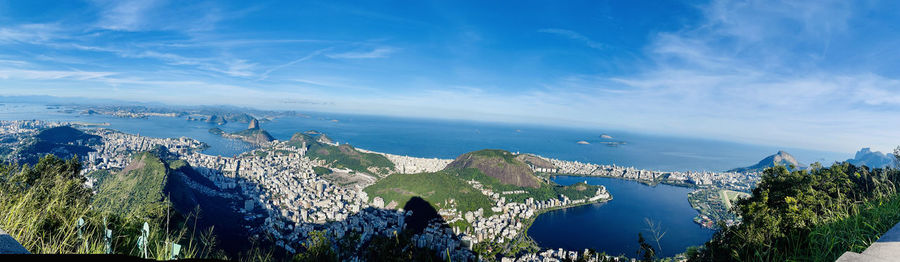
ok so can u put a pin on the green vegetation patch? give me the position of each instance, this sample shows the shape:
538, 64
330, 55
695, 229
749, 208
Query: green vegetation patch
343, 156
321, 170
138, 189
497, 153
544, 192
436, 188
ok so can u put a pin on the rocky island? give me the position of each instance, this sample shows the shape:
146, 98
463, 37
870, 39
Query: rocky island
253, 134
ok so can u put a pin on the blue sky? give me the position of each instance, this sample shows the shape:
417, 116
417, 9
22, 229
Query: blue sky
811, 74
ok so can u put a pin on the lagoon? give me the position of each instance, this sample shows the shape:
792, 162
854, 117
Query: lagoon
613, 226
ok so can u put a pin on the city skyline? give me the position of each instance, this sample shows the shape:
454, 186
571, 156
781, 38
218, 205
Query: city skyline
813, 74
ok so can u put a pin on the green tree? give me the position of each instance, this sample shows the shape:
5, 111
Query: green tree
897, 155
787, 207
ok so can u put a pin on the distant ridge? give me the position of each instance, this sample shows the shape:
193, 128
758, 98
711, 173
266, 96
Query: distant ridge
780, 158
873, 159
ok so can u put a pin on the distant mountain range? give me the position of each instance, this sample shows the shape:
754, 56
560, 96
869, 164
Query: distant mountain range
873, 159
780, 158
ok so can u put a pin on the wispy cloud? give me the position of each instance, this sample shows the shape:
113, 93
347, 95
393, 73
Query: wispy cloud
29, 33
126, 15
309, 56
51, 74
380, 52
745, 72
574, 36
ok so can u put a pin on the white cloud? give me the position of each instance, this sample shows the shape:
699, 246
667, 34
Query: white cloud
745, 73
125, 15
29, 33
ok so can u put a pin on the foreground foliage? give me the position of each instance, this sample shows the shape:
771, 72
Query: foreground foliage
40, 207
813, 215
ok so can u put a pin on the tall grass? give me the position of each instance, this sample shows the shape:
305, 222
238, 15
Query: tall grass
867, 222
40, 207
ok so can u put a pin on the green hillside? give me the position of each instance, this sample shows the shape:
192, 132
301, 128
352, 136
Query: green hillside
436, 188
40, 204
499, 164
343, 156
137, 189
439, 188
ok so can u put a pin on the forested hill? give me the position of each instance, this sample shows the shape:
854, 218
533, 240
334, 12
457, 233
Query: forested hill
342, 156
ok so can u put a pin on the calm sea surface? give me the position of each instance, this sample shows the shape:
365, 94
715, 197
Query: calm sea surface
613, 227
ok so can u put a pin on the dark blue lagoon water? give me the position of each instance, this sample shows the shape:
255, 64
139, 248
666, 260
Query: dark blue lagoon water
449, 139
613, 227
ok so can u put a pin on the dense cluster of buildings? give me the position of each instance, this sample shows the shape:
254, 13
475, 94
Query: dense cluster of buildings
413, 165
116, 147
726, 180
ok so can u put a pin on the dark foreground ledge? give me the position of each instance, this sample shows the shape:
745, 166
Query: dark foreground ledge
8, 245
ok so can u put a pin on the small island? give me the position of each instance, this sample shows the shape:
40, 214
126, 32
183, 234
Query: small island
253, 134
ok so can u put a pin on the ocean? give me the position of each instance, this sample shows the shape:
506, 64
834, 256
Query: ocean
450, 138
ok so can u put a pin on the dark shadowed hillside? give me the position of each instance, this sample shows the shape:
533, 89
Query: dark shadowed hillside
62, 141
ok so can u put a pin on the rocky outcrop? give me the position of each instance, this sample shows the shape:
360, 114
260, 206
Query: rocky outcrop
535, 161
780, 158
499, 164
255, 136
873, 159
